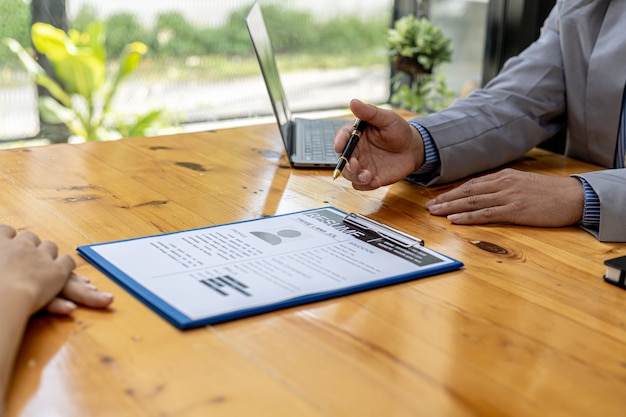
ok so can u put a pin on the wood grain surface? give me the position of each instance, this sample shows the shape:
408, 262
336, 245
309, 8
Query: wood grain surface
527, 328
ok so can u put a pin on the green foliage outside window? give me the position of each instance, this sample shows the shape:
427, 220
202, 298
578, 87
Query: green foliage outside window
185, 51
83, 95
120, 28
14, 23
292, 31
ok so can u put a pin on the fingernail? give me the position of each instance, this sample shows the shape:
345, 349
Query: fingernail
430, 203
105, 295
81, 278
455, 217
69, 304
434, 207
361, 177
90, 286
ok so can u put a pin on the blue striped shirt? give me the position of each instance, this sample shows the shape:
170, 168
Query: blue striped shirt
431, 155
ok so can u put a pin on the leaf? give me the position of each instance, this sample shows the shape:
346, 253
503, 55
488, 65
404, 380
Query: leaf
81, 74
94, 38
129, 60
51, 41
145, 122
54, 112
81, 69
41, 77
139, 125
29, 63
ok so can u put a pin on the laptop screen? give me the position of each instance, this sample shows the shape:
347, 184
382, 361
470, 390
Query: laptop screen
265, 55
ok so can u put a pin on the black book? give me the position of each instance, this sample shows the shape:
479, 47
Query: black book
616, 271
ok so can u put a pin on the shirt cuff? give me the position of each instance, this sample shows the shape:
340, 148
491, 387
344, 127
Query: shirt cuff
591, 212
431, 154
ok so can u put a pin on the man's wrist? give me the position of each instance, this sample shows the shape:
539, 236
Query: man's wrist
431, 155
420, 153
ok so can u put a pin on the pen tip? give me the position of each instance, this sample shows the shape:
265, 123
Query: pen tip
336, 174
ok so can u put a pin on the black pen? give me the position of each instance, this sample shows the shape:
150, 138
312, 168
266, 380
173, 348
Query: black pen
359, 127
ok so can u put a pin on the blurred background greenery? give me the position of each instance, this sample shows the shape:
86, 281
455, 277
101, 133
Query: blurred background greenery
200, 65
340, 40
344, 39
183, 54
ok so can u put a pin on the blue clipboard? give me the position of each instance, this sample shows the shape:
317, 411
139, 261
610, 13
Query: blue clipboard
364, 230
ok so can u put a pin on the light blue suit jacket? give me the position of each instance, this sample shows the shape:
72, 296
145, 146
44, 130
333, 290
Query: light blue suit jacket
574, 74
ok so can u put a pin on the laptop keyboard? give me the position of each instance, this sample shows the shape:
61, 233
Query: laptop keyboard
317, 139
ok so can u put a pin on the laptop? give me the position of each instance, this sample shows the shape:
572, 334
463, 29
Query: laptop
308, 142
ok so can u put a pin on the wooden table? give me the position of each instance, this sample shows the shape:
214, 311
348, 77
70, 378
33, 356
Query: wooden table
527, 328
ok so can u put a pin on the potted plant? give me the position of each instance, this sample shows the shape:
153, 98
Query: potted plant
83, 96
417, 47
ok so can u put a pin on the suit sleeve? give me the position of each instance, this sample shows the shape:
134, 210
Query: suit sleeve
610, 185
521, 107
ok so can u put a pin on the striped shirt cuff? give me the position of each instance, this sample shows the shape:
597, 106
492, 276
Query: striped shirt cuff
591, 212
431, 155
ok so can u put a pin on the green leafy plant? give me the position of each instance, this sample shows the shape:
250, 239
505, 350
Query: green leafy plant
417, 47
83, 95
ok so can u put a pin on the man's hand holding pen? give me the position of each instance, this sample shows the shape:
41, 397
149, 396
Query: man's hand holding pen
358, 128
389, 149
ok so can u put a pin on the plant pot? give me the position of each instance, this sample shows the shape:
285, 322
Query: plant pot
409, 65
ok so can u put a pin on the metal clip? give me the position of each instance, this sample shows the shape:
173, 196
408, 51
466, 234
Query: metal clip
365, 223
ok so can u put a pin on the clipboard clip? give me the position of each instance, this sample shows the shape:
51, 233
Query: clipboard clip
396, 236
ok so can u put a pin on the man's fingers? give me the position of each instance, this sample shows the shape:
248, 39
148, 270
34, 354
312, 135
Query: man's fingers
482, 216
459, 200
456, 206
369, 113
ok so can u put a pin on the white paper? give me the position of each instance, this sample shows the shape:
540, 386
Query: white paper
216, 270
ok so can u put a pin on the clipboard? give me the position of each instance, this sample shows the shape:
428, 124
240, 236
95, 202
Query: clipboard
218, 273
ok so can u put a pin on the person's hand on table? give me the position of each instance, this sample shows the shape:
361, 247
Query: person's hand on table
34, 277
511, 196
34, 269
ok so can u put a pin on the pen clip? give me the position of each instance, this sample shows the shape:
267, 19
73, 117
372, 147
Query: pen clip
396, 236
